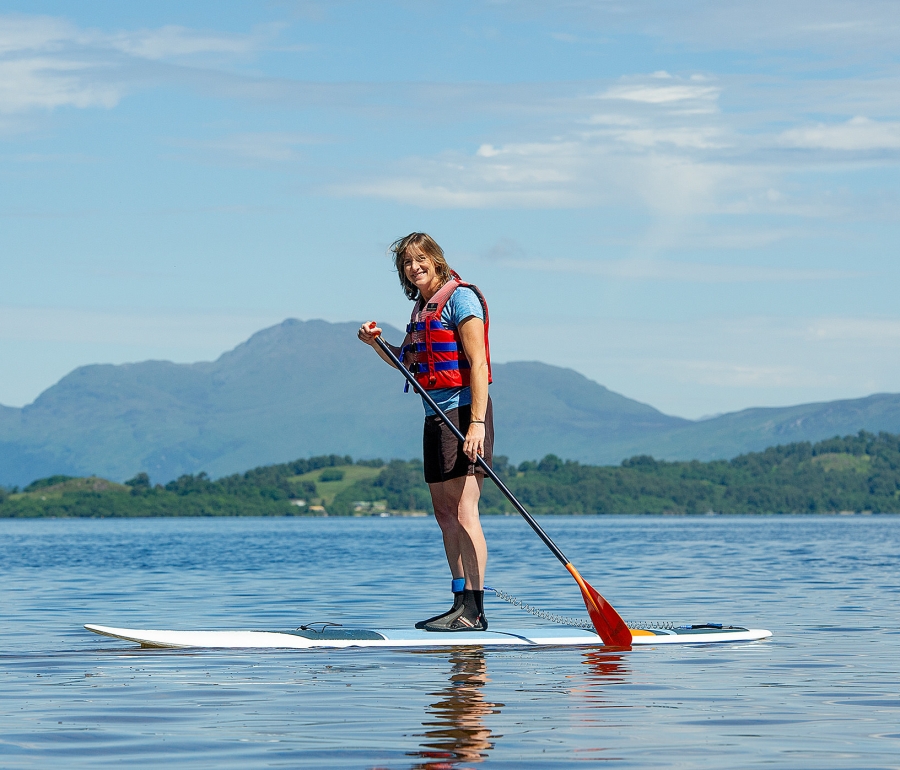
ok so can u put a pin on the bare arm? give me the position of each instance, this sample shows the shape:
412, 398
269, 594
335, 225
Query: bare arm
471, 332
367, 334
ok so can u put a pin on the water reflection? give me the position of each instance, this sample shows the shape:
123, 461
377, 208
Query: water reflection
602, 669
456, 735
605, 667
456, 732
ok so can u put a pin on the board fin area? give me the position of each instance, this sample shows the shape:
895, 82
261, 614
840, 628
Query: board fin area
338, 637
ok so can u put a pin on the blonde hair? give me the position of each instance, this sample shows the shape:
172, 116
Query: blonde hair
427, 246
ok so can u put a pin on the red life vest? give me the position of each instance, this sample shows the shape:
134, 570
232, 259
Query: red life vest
439, 360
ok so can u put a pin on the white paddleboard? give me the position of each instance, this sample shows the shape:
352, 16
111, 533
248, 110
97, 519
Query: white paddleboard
333, 636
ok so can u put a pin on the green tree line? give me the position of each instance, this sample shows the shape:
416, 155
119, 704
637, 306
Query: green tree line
853, 473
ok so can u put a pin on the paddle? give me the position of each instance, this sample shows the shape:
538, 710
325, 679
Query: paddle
609, 626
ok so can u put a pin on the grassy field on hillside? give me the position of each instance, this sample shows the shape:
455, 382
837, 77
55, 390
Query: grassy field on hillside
327, 490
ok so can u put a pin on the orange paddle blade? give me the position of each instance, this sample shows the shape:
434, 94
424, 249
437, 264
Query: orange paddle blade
607, 622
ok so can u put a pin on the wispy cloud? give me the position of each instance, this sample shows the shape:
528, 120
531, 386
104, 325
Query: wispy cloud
173, 42
36, 33
659, 142
47, 83
857, 134
48, 63
698, 138
653, 94
673, 271
718, 25
882, 332
428, 194
258, 147
662, 143
647, 161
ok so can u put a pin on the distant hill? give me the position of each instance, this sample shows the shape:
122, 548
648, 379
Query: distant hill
752, 430
300, 389
291, 390
851, 474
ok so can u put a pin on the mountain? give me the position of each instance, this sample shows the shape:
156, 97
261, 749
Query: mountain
752, 430
289, 391
293, 390
541, 409
309, 388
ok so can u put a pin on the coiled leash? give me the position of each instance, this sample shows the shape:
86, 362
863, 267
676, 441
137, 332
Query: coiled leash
584, 623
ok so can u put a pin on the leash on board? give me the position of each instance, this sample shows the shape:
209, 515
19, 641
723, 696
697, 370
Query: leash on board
563, 620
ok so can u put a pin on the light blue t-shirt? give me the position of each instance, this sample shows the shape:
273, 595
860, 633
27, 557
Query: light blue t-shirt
463, 304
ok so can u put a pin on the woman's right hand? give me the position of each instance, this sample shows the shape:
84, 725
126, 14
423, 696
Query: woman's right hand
368, 332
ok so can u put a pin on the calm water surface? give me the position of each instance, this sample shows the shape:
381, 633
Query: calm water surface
823, 693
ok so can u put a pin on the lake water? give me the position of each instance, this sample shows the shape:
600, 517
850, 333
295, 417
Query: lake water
824, 692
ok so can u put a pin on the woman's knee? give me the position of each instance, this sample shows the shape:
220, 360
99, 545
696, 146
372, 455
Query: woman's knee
467, 515
445, 511
446, 517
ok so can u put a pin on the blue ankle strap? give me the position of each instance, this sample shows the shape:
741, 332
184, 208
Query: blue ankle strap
457, 585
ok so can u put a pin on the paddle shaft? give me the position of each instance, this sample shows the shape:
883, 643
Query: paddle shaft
410, 378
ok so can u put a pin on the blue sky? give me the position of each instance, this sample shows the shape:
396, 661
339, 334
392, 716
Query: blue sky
694, 204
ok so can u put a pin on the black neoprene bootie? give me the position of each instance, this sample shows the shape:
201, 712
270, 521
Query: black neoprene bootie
457, 606
470, 617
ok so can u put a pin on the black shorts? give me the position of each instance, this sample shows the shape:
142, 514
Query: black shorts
442, 451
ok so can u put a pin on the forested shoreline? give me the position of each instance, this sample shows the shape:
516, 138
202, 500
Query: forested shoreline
858, 473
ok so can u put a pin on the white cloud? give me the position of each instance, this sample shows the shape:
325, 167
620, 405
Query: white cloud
47, 63
857, 134
629, 158
34, 33
699, 138
417, 192
650, 94
649, 152
591, 171
663, 146
176, 42
47, 83
612, 119
20, 33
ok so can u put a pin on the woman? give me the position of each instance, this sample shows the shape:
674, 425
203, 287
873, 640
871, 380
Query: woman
446, 347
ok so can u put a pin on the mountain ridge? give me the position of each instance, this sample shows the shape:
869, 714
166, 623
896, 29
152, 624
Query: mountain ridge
304, 388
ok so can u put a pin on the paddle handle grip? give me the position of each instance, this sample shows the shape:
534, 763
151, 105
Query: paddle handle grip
410, 378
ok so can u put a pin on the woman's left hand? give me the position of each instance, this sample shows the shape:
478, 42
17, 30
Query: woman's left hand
473, 446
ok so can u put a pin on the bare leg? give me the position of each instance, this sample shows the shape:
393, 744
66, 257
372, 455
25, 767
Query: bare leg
456, 510
445, 513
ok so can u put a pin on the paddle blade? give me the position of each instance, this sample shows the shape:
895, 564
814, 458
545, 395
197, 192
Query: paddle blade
607, 622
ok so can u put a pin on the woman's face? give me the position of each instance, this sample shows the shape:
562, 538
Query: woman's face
419, 269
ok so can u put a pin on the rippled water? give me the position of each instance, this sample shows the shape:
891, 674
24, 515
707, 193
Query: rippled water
823, 692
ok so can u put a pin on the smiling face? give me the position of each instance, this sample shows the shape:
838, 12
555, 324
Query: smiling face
421, 272
420, 264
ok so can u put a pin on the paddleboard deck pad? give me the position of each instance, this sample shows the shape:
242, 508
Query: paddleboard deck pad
334, 637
